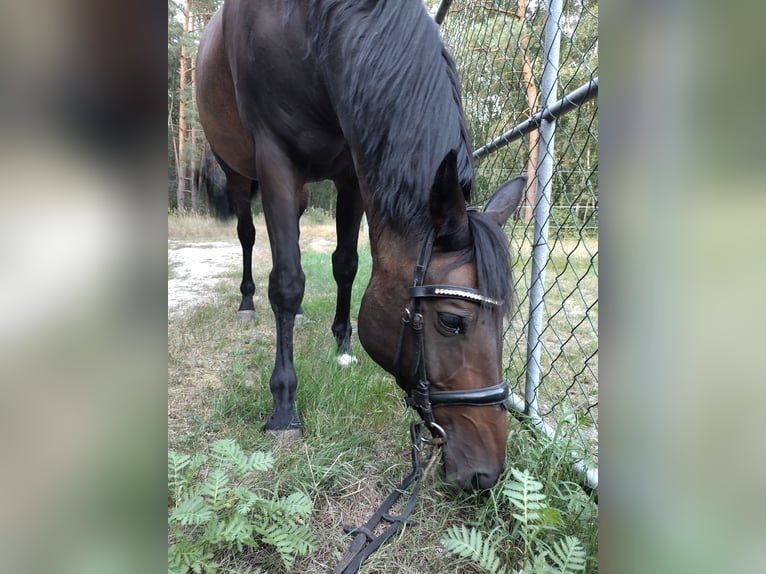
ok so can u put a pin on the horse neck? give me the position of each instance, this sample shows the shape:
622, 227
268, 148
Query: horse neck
393, 263
393, 254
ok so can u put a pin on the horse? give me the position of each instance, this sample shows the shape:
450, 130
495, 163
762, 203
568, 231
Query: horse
364, 93
228, 196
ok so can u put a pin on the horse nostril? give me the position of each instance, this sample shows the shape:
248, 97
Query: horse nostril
483, 481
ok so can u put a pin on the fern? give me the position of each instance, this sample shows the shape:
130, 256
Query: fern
230, 455
569, 555
184, 556
260, 461
524, 493
289, 540
216, 488
235, 531
192, 512
470, 543
177, 482
224, 511
181, 470
539, 565
532, 514
297, 504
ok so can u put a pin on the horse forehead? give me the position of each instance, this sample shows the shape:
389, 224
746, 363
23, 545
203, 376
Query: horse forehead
447, 269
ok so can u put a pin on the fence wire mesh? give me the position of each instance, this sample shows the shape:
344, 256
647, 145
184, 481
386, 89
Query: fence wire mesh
501, 49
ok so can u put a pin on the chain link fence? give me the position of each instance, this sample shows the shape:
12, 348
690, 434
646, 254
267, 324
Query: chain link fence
529, 73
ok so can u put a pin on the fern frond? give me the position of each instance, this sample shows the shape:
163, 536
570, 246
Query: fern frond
297, 504
236, 530
215, 488
260, 461
177, 482
227, 453
225, 513
184, 557
177, 461
469, 543
524, 494
181, 469
550, 518
569, 555
246, 500
290, 540
539, 565
192, 511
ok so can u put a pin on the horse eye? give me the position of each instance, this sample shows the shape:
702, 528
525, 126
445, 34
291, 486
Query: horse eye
451, 322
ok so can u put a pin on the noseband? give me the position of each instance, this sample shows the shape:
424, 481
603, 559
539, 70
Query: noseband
421, 397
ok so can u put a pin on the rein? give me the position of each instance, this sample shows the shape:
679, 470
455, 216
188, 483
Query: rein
365, 542
423, 400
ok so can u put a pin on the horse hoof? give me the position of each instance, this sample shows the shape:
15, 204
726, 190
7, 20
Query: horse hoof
248, 315
345, 360
288, 436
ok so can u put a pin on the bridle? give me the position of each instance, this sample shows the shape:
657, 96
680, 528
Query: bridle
421, 397
423, 400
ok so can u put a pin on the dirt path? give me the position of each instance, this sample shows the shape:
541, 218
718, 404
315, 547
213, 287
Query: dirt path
195, 268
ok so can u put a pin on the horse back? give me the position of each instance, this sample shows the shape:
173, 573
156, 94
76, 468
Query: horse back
277, 85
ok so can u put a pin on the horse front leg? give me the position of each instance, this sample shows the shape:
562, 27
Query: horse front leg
345, 262
280, 189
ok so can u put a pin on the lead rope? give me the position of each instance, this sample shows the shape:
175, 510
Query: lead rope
365, 542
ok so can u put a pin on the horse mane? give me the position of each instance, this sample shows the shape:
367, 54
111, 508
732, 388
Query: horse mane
491, 254
397, 97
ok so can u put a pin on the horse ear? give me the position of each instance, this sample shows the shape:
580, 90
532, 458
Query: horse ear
506, 199
448, 207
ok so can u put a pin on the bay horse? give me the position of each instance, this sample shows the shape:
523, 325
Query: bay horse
364, 93
232, 196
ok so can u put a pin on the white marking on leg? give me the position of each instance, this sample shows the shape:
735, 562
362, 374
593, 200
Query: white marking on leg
345, 360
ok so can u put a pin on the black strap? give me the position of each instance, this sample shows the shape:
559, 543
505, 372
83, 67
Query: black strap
365, 542
423, 258
496, 395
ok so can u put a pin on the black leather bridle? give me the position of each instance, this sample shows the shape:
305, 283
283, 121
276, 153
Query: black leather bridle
421, 397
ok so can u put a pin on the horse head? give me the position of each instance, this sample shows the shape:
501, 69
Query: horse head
447, 332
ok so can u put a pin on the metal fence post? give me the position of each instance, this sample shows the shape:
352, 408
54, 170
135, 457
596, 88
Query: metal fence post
542, 208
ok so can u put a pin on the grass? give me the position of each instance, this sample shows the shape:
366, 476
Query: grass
355, 448
200, 228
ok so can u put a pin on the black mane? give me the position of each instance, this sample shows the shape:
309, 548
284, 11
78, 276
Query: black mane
397, 98
491, 255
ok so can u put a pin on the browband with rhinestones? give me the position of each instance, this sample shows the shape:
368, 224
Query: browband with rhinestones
452, 291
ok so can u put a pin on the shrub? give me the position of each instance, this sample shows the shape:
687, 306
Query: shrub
214, 508
532, 516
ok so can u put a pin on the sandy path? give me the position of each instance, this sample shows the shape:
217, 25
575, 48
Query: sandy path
195, 269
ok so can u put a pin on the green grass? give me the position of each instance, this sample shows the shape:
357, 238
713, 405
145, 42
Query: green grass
355, 448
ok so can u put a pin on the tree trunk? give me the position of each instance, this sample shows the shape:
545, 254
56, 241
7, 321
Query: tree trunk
533, 101
181, 165
181, 188
194, 143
